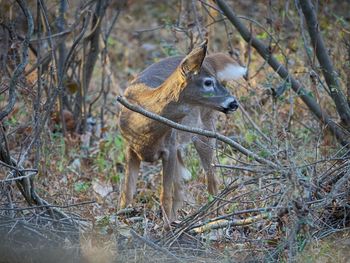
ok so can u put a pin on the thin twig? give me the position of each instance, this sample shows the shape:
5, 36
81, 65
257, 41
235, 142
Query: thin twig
18, 177
255, 126
239, 167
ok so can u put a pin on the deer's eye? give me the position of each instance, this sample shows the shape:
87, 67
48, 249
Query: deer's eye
208, 83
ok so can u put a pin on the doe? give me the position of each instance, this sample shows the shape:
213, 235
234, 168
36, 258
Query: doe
188, 90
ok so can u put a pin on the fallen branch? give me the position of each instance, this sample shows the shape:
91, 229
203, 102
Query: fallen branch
198, 131
222, 223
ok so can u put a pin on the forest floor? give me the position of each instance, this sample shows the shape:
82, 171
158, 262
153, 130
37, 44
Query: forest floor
292, 212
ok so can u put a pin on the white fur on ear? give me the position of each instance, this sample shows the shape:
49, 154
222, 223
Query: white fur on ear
231, 72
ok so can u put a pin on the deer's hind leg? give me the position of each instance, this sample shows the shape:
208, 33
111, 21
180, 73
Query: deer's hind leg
131, 172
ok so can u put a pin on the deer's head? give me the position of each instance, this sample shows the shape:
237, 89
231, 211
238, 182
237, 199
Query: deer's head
204, 78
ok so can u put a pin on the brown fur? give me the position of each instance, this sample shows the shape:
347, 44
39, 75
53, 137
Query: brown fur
173, 88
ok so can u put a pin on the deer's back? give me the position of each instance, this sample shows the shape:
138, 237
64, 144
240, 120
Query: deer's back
157, 73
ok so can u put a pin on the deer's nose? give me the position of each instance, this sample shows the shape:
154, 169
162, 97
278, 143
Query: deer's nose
233, 105
229, 105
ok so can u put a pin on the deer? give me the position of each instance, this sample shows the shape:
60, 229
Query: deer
189, 90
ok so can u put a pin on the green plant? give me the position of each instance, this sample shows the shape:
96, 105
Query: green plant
81, 186
192, 161
110, 154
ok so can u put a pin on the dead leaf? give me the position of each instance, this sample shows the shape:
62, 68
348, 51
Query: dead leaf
101, 188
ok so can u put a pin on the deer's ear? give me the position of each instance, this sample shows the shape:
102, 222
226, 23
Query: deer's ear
192, 63
225, 67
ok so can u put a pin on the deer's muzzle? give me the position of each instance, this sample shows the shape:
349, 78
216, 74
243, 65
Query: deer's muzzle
230, 105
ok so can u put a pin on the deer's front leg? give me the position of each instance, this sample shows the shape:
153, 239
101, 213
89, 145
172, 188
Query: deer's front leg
180, 173
205, 149
166, 195
131, 172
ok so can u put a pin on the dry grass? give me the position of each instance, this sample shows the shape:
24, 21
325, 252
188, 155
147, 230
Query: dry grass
305, 199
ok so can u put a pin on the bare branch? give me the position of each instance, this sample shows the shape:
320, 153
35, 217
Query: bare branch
206, 133
325, 62
94, 38
20, 68
283, 73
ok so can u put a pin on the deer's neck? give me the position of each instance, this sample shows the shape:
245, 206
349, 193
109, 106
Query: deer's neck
166, 100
